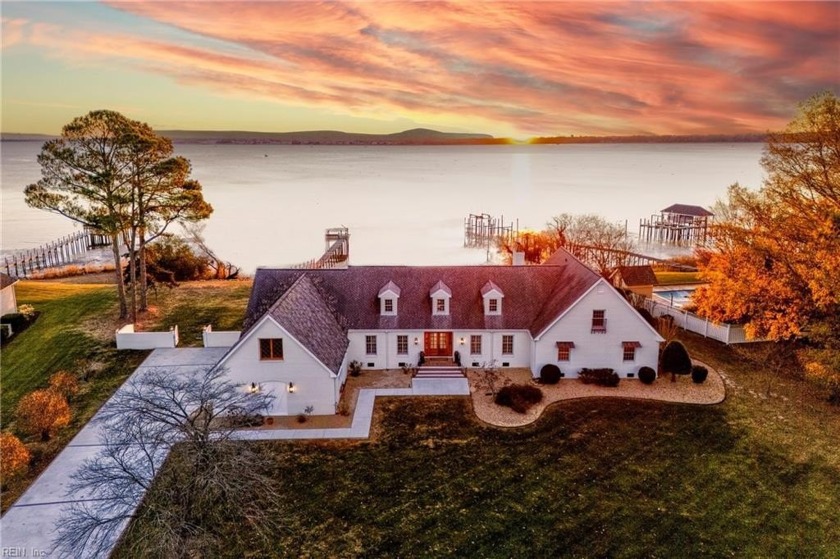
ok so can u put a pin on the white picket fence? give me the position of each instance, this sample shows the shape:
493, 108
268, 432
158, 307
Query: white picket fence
726, 333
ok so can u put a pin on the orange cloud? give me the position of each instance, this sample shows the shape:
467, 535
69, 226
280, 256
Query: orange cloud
539, 68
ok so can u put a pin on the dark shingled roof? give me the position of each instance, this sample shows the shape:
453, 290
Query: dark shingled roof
637, 275
305, 313
534, 296
685, 209
6, 280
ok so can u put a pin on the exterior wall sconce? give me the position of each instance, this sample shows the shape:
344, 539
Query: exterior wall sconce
416, 341
291, 388
254, 388
463, 341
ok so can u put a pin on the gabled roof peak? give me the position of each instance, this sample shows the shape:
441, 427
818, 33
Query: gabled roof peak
440, 286
490, 286
390, 287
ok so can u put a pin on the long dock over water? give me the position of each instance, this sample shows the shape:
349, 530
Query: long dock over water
65, 251
336, 253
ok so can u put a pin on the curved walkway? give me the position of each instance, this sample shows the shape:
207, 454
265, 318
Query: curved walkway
663, 390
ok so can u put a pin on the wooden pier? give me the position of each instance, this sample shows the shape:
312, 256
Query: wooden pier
482, 230
336, 253
596, 257
679, 224
66, 250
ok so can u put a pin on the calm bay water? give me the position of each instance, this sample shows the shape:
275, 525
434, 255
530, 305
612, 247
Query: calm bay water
406, 204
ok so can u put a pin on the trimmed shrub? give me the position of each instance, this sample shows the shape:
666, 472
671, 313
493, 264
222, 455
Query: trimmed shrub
17, 320
42, 412
699, 374
519, 397
647, 375
601, 377
550, 374
14, 457
675, 359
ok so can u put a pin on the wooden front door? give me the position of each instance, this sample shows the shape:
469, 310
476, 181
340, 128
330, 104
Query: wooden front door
438, 344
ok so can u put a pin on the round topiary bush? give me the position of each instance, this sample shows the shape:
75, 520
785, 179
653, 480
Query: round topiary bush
699, 374
550, 374
675, 359
647, 375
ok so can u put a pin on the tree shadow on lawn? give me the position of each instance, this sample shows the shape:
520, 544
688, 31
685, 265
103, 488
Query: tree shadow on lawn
591, 478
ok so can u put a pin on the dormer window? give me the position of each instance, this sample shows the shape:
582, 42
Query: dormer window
440, 294
388, 296
492, 295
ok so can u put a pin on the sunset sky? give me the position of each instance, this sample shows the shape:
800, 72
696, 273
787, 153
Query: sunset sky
504, 68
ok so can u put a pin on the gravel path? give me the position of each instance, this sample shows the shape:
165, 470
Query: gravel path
683, 391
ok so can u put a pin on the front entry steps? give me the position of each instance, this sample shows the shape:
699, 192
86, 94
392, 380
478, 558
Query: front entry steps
439, 371
440, 380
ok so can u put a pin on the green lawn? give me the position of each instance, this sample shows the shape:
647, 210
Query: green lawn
59, 339
75, 332
752, 477
677, 278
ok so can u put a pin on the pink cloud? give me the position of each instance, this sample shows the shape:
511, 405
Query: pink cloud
539, 68
13, 31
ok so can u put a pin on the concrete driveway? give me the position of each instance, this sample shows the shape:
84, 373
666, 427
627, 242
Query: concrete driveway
28, 527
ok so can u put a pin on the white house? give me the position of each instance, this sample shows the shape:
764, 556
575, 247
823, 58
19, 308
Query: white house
303, 327
8, 299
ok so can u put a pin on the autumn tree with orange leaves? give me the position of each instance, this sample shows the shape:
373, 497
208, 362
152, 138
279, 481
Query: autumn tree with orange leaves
14, 457
774, 262
42, 412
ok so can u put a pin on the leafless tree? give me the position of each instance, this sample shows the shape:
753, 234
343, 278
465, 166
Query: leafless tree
593, 239
221, 268
185, 420
492, 379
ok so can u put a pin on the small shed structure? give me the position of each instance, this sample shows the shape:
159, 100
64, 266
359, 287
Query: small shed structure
638, 279
8, 298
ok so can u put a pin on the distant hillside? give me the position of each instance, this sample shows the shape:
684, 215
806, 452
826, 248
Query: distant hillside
650, 139
417, 136
10, 137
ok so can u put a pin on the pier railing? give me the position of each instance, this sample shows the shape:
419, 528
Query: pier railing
336, 254
616, 257
66, 250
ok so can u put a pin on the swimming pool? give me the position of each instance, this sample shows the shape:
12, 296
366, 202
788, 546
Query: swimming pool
677, 298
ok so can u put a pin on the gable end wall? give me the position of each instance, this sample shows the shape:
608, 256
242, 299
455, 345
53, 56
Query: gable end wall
598, 350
